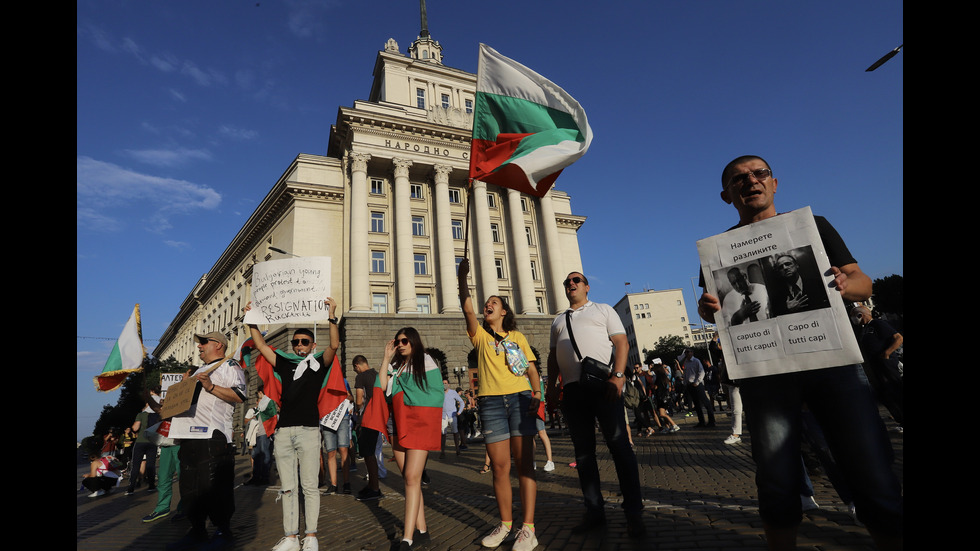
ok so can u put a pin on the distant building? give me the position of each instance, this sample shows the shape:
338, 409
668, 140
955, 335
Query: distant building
388, 204
650, 315
701, 337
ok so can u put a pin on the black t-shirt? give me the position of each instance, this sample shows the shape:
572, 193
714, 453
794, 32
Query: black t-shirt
299, 397
366, 381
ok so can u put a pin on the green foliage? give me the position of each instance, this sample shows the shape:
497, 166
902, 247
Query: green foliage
667, 349
889, 295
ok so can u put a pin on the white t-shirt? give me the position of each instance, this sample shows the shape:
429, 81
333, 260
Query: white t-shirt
593, 324
210, 413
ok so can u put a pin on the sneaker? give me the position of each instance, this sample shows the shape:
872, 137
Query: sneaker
634, 526
573, 464
589, 523
526, 541
549, 466
675, 428
97, 493
347, 489
287, 544
130, 492
733, 439
421, 539
809, 503
331, 490
367, 494
222, 539
310, 543
155, 515
425, 478
151, 490
495, 538
463, 447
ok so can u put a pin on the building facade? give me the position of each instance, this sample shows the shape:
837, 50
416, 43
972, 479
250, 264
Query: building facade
650, 315
388, 203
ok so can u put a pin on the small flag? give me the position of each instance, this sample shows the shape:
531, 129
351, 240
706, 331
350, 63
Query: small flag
526, 129
126, 356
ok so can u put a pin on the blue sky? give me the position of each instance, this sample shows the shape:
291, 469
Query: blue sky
188, 112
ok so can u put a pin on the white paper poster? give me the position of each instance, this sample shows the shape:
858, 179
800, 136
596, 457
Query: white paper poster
779, 313
290, 290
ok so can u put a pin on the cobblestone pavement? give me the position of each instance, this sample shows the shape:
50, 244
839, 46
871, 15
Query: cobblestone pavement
699, 495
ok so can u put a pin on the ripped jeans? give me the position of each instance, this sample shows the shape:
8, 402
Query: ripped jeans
298, 445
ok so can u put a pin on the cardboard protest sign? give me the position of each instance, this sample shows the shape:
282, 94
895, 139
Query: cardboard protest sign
290, 290
180, 397
779, 313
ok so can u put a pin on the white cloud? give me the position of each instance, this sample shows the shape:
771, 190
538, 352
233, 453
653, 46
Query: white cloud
168, 157
239, 134
102, 186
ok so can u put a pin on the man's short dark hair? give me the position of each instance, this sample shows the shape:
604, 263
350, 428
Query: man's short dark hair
726, 174
304, 331
358, 360
585, 280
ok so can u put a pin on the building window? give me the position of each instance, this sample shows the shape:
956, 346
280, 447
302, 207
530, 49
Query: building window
469, 106
540, 304
527, 231
534, 271
378, 222
420, 265
499, 264
377, 186
454, 196
416, 191
445, 101
457, 229
378, 262
491, 200
524, 206
420, 98
495, 233
418, 225
458, 260
422, 301
379, 303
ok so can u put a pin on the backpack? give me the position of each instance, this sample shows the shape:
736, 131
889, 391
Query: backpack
631, 395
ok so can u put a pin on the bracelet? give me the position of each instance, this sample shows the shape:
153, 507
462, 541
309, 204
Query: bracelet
212, 388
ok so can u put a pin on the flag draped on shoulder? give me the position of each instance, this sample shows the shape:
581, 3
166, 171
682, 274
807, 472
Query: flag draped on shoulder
332, 393
375, 416
526, 129
126, 356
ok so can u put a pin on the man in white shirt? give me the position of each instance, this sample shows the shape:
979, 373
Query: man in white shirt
207, 455
595, 331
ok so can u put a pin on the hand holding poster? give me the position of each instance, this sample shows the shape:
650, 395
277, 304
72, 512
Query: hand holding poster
290, 290
779, 312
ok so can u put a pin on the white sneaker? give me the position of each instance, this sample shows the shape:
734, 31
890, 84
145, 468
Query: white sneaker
526, 541
97, 493
287, 544
495, 538
310, 543
675, 428
809, 503
549, 466
733, 439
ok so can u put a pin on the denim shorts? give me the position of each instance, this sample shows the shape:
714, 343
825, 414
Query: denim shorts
339, 438
506, 416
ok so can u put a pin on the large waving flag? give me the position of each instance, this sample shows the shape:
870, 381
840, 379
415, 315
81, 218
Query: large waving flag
526, 129
126, 356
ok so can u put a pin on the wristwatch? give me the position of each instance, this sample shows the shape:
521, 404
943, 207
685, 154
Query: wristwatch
332, 320
619, 375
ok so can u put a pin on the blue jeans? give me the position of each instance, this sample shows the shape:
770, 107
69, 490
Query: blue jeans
581, 409
842, 404
507, 415
261, 457
298, 445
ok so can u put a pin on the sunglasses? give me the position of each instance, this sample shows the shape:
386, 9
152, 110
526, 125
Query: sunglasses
571, 280
304, 342
402, 341
205, 341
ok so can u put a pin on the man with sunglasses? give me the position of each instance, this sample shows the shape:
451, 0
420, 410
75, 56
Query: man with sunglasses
206, 454
839, 397
597, 330
297, 437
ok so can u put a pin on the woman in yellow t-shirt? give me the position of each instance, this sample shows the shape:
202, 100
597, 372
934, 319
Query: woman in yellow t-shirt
508, 399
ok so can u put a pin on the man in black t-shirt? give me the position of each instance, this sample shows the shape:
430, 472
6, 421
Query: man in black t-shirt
839, 397
367, 439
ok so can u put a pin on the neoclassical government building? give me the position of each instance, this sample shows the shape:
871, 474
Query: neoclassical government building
388, 203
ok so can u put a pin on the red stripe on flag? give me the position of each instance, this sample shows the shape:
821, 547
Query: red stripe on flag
334, 390
417, 427
376, 413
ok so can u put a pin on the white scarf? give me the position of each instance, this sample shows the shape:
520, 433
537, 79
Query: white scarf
308, 362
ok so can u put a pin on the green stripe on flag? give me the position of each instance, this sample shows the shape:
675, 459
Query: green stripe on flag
495, 114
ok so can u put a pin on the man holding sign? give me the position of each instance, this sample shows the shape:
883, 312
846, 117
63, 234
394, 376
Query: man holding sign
838, 396
207, 456
297, 439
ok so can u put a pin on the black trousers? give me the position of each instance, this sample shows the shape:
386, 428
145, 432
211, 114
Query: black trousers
207, 476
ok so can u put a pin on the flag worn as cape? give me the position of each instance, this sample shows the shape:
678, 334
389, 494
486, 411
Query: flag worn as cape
375, 416
332, 393
418, 409
526, 129
126, 356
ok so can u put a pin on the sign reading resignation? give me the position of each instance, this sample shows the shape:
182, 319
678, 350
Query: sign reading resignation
290, 290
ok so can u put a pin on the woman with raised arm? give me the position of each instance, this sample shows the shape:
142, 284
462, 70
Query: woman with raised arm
508, 398
413, 382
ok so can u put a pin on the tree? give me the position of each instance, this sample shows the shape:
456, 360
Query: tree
667, 349
889, 297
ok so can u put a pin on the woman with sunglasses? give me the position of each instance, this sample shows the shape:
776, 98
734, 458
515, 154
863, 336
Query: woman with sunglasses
414, 385
509, 396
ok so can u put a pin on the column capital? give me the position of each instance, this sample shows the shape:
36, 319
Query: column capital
401, 166
359, 161
441, 173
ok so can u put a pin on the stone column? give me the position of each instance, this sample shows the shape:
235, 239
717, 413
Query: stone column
552, 249
522, 255
448, 300
360, 257
483, 245
406, 298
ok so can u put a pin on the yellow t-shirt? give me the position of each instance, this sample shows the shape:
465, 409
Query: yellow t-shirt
495, 377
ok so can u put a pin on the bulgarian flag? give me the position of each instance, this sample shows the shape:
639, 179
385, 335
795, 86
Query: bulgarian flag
332, 393
526, 129
126, 356
376, 413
